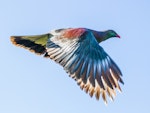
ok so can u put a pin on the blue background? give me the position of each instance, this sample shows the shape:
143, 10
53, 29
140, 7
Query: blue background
32, 84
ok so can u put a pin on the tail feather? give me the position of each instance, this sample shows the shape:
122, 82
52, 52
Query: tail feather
36, 44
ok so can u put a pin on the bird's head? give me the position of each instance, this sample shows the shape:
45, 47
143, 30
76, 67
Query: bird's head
104, 35
110, 33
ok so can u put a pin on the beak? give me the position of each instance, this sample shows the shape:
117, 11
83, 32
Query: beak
118, 36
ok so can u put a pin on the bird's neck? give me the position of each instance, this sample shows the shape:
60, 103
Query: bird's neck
100, 36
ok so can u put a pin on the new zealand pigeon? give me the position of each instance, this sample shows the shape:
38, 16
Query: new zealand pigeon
79, 52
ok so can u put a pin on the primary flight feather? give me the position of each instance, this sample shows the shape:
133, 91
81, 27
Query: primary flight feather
79, 52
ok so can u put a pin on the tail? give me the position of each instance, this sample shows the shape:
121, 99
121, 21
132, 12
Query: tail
35, 43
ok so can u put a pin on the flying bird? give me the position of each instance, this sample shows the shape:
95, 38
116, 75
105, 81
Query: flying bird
79, 52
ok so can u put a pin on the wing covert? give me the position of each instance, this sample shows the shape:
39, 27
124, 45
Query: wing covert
87, 63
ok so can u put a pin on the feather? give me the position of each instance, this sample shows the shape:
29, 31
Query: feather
104, 97
97, 90
78, 51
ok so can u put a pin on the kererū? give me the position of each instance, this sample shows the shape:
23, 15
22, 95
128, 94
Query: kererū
79, 52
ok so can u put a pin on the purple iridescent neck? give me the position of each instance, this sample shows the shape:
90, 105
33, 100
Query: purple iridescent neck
100, 36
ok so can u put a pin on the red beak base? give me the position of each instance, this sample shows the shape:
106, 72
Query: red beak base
118, 36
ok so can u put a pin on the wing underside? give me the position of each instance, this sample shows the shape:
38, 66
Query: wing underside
87, 63
82, 58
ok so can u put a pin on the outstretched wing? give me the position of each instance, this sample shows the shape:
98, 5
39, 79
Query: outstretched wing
81, 56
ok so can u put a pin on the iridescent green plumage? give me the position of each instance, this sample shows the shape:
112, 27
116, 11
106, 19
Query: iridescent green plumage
110, 34
34, 43
104, 35
79, 52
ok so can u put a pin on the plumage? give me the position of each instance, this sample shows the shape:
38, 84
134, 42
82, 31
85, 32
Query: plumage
79, 52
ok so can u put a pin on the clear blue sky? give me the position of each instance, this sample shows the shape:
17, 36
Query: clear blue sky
32, 84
